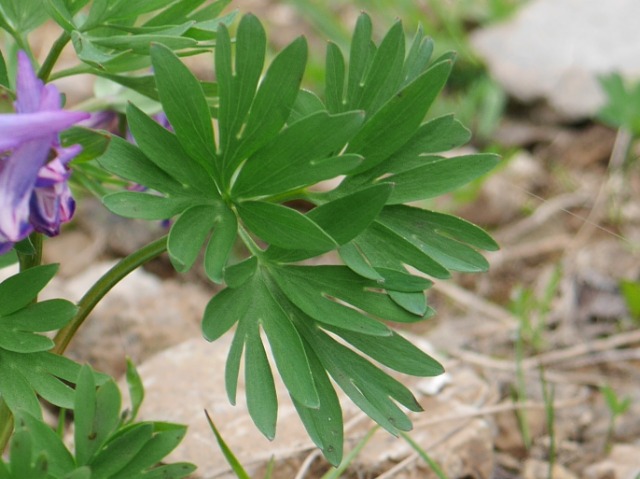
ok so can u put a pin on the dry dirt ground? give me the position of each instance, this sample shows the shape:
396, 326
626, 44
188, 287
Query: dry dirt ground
547, 325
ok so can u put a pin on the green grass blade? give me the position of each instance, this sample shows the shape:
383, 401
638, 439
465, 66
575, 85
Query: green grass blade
228, 453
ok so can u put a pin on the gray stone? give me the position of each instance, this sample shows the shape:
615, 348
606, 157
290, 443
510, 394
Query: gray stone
139, 317
556, 49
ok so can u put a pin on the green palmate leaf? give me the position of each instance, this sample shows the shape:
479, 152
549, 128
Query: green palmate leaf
318, 286
225, 231
141, 43
232, 367
254, 304
178, 12
224, 310
190, 231
60, 13
22, 458
136, 389
164, 438
94, 143
362, 50
418, 56
44, 438
323, 423
127, 161
123, 62
24, 15
307, 103
298, 156
14, 388
98, 13
16, 329
397, 120
393, 351
441, 134
173, 30
287, 348
384, 74
24, 375
186, 107
440, 236
123, 9
321, 306
90, 53
123, 448
367, 386
19, 290
275, 142
284, 227
262, 402
165, 150
381, 247
236, 275
114, 451
272, 104
207, 30
75, 6
144, 84
172, 471
212, 10
146, 206
343, 219
237, 86
415, 303
335, 79
92, 425
346, 217
269, 307
438, 176
80, 473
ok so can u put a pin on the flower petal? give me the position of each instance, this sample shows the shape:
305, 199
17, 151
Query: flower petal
18, 128
5, 246
28, 86
50, 207
17, 181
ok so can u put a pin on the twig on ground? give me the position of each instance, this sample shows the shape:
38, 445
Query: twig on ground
530, 249
473, 302
554, 358
548, 209
306, 464
498, 408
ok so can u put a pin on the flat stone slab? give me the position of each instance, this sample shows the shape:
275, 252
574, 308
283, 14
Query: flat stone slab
182, 381
556, 49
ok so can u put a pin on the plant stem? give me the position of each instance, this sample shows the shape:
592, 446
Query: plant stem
52, 57
249, 243
30, 260
521, 391
103, 286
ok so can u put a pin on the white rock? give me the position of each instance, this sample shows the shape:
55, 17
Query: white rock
556, 49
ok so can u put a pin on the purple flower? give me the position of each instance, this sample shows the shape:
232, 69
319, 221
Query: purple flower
34, 195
